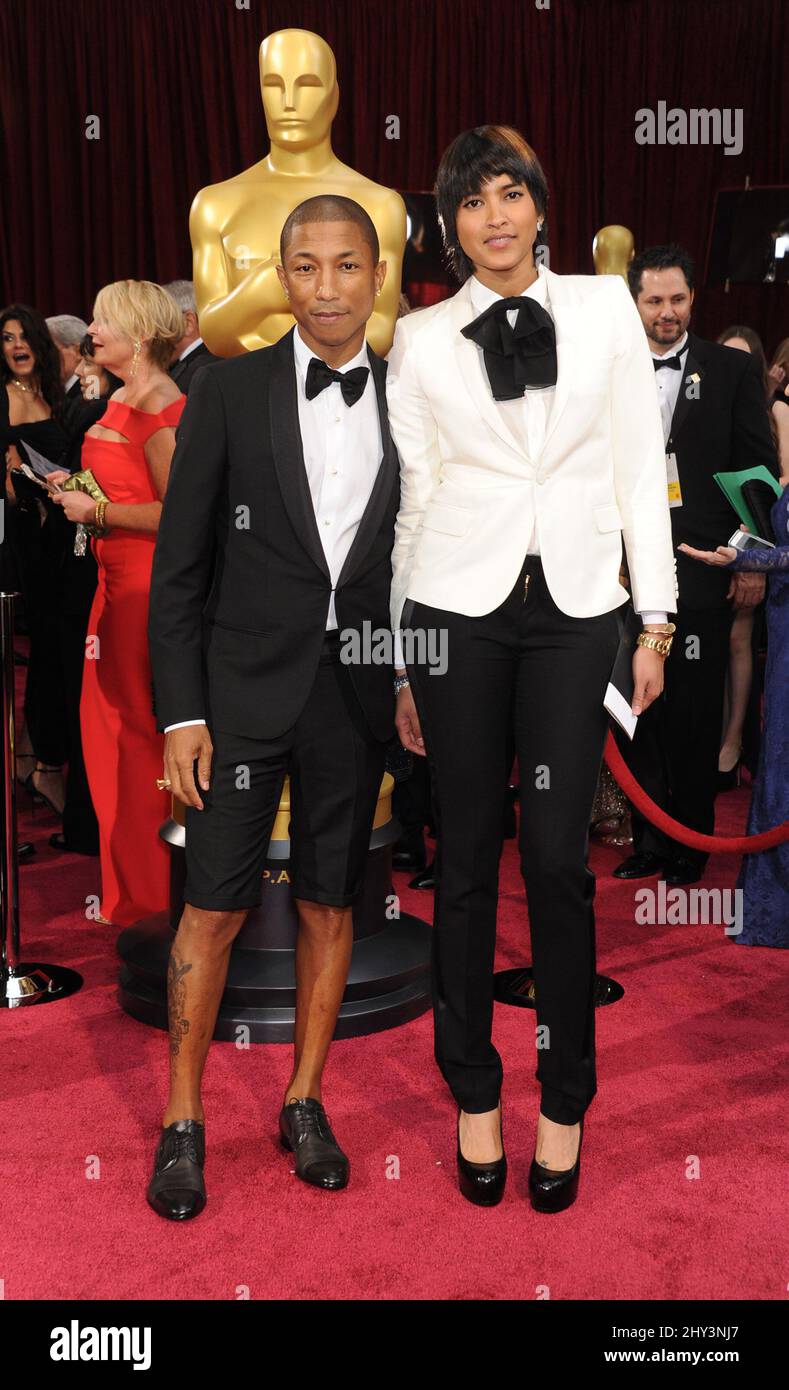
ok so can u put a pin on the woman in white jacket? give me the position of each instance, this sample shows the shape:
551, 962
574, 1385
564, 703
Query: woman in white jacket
526, 418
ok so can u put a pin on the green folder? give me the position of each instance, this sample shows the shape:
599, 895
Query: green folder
731, 485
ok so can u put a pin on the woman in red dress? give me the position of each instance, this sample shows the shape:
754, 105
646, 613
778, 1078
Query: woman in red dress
129, 451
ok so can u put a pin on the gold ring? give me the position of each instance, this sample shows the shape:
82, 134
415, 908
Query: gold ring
163, 782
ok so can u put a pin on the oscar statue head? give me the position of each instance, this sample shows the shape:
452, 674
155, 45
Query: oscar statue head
298, 83
613, 249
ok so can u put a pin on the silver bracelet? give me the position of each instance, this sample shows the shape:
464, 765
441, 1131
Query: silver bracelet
400, 682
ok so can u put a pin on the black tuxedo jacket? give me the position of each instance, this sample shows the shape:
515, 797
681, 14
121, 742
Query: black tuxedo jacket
183, 373
721, 427
240, 586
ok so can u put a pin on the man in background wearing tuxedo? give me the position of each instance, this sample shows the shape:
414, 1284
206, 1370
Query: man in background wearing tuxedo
276, 534
712, 404
190, 352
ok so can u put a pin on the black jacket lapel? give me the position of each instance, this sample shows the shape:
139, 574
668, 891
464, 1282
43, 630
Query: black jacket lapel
288, 453
693, 365
384, 478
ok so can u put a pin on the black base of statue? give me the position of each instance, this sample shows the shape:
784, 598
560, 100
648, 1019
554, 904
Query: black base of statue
388, 981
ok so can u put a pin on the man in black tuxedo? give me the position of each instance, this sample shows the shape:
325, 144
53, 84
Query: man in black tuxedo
275, 537
190, 352
715, 420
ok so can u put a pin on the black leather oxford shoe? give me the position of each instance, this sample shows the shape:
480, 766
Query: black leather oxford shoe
680, 871
639, 866
409, 853
482, 1183
177, 1189
305, 1132
427, 878
552, 1189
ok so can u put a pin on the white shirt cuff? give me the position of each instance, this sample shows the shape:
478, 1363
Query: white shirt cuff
183, 724
657, 618
398, 650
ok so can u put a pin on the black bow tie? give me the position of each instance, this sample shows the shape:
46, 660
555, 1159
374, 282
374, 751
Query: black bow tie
673, 362
519, 357
320, 375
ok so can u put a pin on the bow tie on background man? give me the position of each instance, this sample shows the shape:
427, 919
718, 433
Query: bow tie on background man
320, 375
674, 362
516, 358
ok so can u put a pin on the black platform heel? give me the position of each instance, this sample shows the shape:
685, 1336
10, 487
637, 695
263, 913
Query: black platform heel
552, 1189
482, 1183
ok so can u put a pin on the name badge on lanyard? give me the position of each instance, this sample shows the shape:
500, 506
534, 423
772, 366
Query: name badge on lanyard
672, 478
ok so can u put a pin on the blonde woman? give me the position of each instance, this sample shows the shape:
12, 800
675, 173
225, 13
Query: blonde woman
135, 326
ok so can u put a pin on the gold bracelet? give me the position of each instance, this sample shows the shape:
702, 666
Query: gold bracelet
661, 645
101, 508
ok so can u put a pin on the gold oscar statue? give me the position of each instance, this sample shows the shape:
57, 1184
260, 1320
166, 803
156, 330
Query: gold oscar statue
235, 225
613, 249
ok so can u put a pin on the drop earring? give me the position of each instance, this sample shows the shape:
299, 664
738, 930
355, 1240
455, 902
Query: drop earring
136, 357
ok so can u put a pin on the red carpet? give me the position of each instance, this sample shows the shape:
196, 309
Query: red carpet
692, 1064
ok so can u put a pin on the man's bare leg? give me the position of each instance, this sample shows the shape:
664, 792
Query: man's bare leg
196, 978
323, 955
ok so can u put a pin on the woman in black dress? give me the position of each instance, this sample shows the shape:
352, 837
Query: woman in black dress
31, 405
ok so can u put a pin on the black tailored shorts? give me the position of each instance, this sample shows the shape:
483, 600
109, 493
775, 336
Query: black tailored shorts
335, 767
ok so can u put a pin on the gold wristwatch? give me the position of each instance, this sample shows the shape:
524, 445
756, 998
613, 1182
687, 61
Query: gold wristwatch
659, 641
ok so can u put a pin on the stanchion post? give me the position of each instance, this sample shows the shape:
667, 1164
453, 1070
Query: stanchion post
19, 984
9, 872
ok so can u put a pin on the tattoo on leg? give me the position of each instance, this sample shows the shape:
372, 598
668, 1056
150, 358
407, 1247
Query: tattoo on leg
176, 999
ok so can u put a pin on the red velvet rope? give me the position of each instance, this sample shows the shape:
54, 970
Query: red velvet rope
715, 844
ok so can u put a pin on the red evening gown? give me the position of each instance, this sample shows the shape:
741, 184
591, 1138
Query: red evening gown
123, 752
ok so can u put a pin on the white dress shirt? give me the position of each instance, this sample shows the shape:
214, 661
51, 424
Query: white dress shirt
343, 449
668, 383
528, 415
342, 454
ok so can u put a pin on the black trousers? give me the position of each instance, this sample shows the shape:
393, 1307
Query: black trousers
674, 754
529, 675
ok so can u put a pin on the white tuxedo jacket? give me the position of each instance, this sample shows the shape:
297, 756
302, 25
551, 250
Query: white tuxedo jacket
469, 495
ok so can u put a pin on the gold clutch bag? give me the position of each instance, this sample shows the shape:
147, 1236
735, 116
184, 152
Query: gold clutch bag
85, 482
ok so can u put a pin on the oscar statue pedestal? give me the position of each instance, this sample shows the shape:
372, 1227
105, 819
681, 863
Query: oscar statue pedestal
389, 978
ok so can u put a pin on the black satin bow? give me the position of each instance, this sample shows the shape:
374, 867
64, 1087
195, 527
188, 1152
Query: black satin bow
674, 362
320, 375
520, 357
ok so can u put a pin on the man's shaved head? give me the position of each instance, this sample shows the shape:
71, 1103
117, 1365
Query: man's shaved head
330, 207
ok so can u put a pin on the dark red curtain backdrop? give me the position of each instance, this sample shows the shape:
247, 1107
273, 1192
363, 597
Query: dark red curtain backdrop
175, 83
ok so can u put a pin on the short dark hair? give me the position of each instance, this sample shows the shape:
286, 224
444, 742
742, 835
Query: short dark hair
330, 207
473, 158
660, 258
